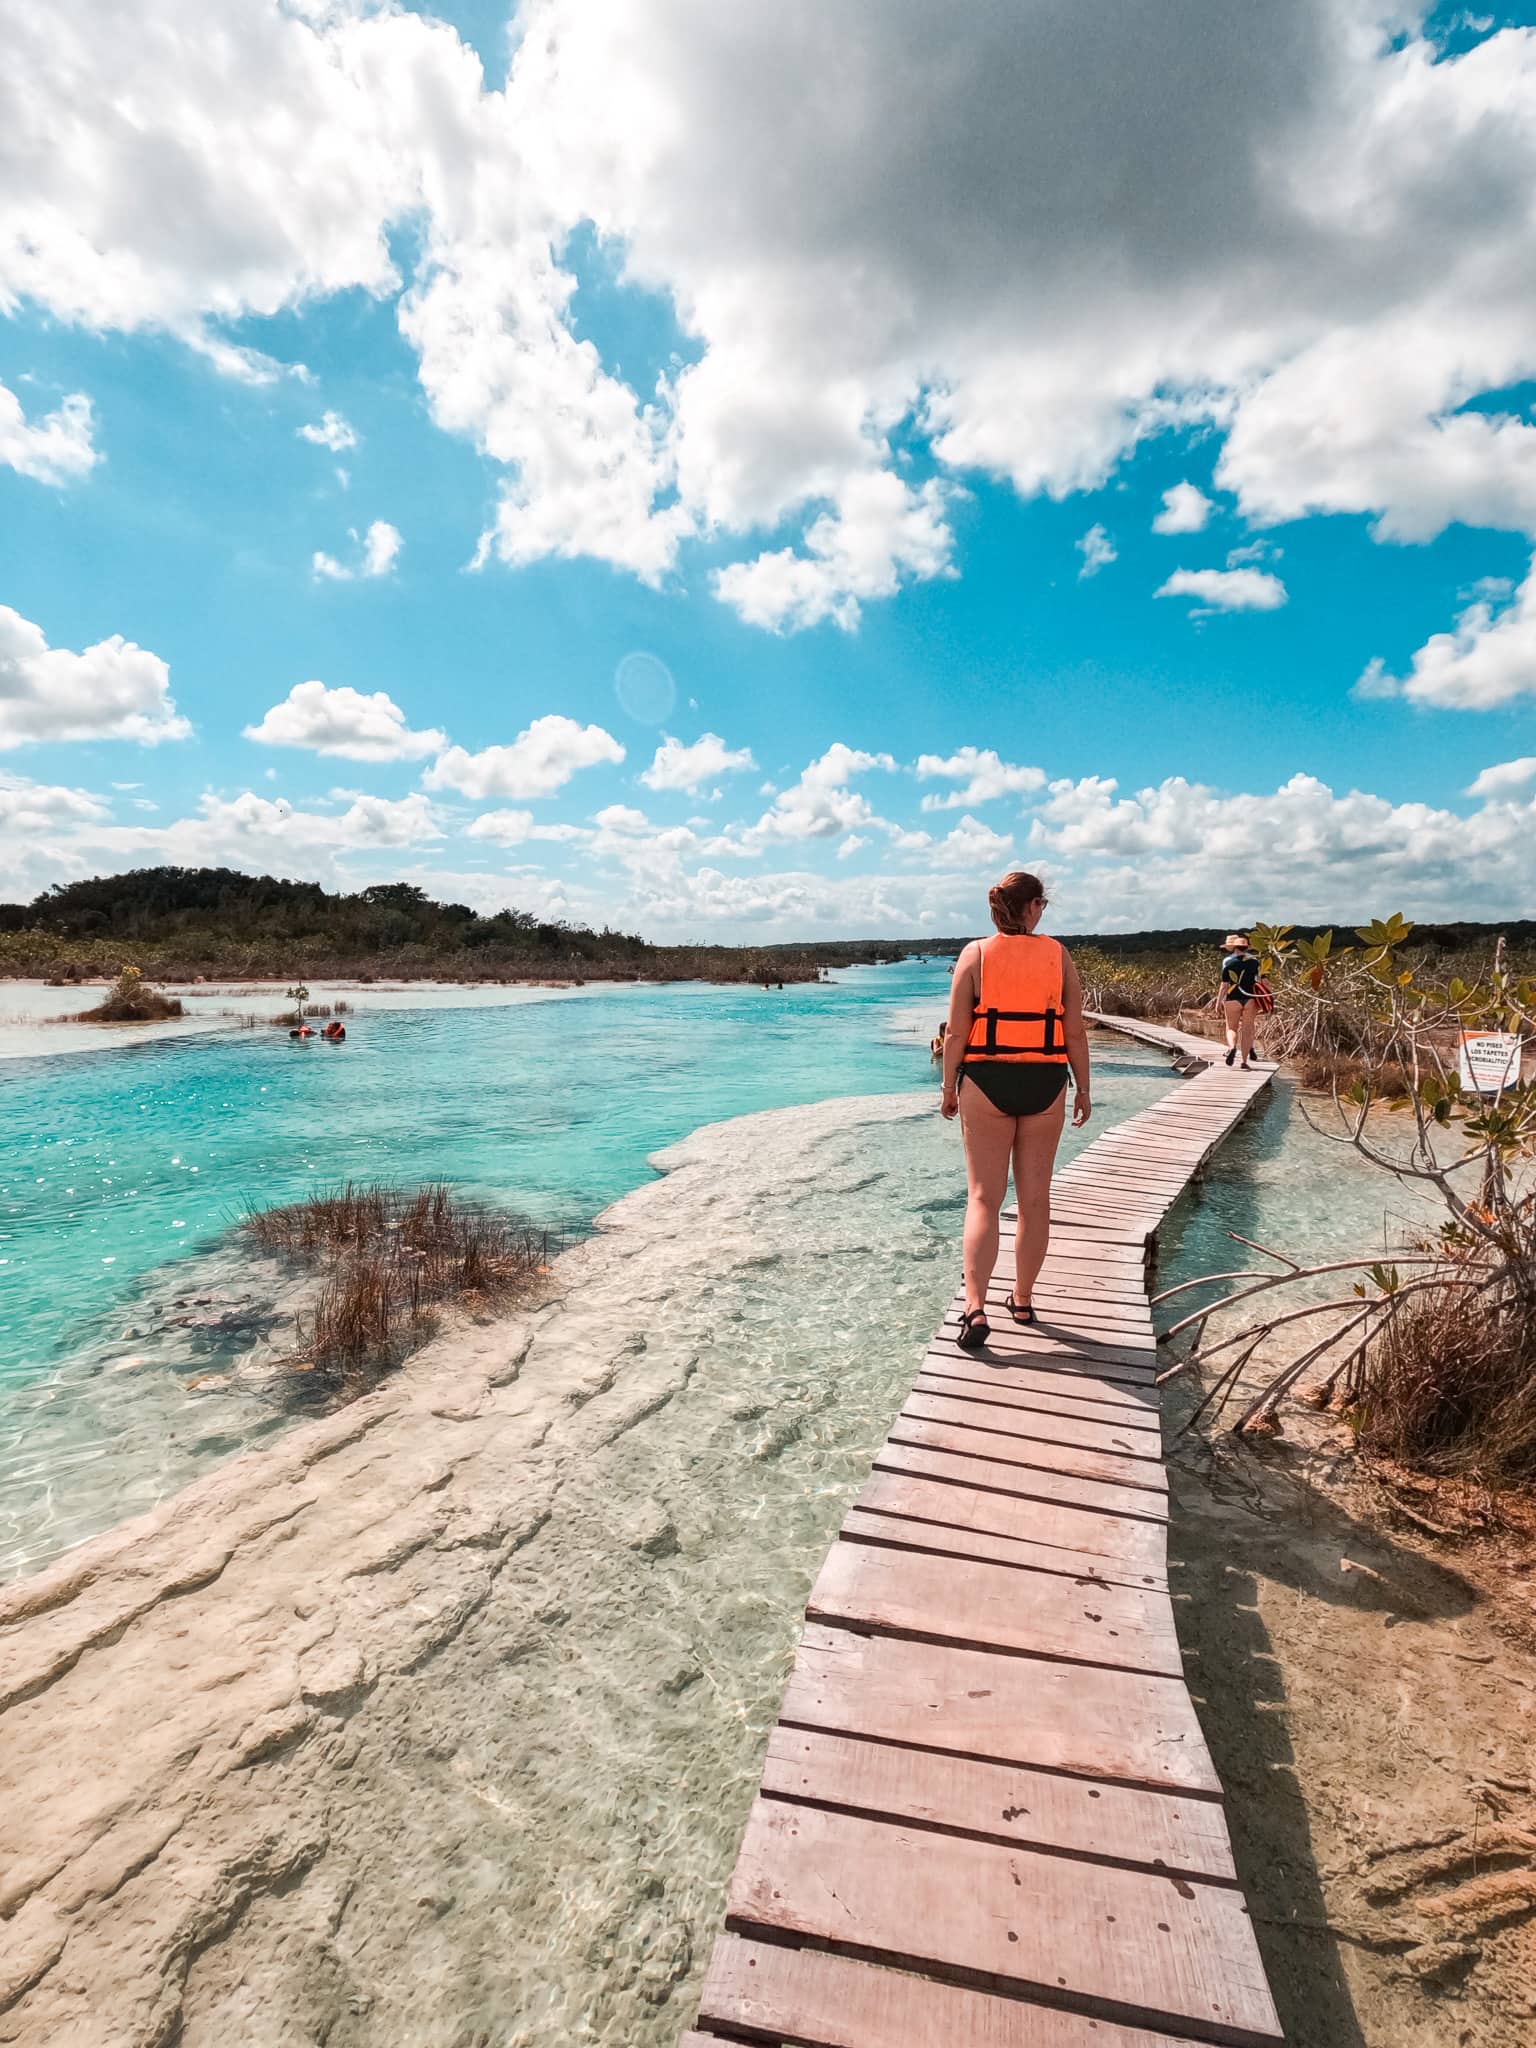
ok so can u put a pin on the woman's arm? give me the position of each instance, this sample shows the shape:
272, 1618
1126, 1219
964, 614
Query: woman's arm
1076, 1034
964, 992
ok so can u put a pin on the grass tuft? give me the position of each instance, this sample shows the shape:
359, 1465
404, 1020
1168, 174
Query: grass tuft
1450, 1389
389, 1261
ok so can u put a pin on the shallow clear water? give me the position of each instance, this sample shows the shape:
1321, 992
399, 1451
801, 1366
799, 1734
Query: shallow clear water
114, 1163
122, 1173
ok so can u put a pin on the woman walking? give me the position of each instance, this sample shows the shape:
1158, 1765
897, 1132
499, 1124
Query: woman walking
1015, 1028
1237, 996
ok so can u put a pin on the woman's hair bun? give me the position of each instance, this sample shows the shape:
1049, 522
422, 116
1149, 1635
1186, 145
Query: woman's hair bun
1012, 898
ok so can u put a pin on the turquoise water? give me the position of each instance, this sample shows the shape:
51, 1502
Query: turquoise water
113, 1164
135, 1330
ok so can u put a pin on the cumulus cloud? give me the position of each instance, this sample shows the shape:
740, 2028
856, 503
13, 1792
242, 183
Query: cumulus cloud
1248, 220
512, 828
53, 450
330, 431
1507, 777
377, 551
346, 722
53, 835
113, 691
1487, 659
1097, 551
821, 805
543, 758
982, 774
692, 767
1185, 848
881, 530
971, 845
1186, 509
1227, 590
27, 806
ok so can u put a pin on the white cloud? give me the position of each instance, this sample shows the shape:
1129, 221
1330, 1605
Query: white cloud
1248, 220
1488, 659
1505, 778
1186, 509
1126, 861
690, 767
330, 431
113, 691
984, 775
542, 759
27, 806
853, 844
1097, 551
376, 554
880, 529
513, 828
1227, 590
972, 845
344, 721
55, 449
258, 835
821, 805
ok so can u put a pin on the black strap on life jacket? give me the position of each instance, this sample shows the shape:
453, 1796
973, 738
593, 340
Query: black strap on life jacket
990, 1049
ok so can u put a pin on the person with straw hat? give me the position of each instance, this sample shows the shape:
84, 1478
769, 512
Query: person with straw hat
1237, 997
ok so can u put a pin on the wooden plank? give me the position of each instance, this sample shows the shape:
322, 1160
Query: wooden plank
1123, 1727
1122, 1546
1005, 1803
939, 1540
1111, 1258
1143, 1419
1117, 1944
1021, 1482
770, 1993
1028, 1424
1061, 1359
1004, 1334
1134, 1370
1087, 1389
995, 1607
1127, 1484
1004, 1328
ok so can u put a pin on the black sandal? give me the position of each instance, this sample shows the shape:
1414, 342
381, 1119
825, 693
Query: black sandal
974, 1330
1026, 1314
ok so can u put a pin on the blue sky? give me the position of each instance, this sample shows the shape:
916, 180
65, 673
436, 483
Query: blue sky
857, 429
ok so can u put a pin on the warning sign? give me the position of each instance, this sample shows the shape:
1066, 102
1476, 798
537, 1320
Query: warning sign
1490, 1060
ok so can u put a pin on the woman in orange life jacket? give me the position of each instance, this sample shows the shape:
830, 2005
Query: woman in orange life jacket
1015, 1028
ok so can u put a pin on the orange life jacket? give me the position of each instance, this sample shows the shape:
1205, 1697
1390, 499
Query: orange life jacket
1018, 1014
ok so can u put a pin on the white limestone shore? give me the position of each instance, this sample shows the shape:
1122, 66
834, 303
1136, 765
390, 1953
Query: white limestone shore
433, 1722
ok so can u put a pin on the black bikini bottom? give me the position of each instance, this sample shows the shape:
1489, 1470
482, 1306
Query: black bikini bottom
1016, 1088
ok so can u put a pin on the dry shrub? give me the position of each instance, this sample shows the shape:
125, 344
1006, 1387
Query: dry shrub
131, 1000
1154, 986
389, 1259
1450, 1388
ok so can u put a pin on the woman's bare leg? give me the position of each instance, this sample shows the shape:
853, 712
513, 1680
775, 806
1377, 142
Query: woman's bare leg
988, 1148
1234, 1017
1034, 1157
1246, 1028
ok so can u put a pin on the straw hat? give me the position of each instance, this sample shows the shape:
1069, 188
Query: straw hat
1235, 942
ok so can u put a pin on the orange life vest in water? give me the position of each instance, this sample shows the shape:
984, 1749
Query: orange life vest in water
1018, 1014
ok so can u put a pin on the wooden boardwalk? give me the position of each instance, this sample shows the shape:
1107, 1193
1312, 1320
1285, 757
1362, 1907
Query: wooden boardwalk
988, 1814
